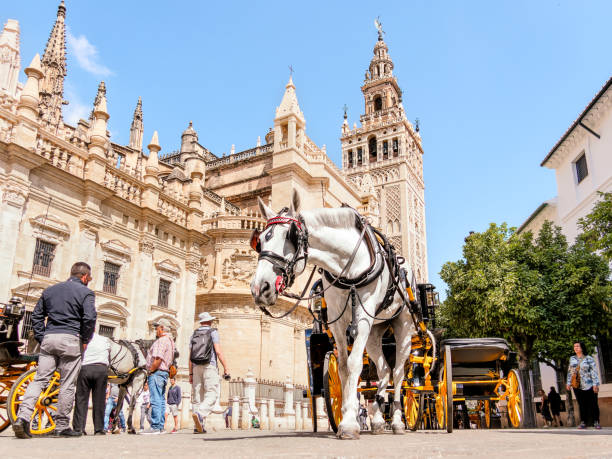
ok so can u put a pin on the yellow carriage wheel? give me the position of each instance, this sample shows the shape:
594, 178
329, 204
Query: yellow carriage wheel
413, 408
41, 421
487, 413
444, 397
515, 399
5, 387
333, 390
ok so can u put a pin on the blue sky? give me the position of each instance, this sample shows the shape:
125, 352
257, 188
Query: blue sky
494, 83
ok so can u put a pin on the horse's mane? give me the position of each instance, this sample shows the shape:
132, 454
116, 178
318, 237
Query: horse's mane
342, 217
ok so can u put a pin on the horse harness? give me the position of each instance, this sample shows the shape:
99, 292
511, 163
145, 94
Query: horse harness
130, 374
381, 253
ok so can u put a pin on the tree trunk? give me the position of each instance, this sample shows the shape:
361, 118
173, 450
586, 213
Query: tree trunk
529, 416
569, 402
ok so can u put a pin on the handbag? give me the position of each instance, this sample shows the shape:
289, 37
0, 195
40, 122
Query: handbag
575, 381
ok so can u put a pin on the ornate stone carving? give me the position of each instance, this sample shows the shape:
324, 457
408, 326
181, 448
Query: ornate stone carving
238, 268
192, 264
203, 273
50, 228
15, 196
146, 246
116, 252
168, 269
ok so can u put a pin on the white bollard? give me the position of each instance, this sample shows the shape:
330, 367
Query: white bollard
245, 415
272, 414
298, 416
235, 413
306, 422
264, 423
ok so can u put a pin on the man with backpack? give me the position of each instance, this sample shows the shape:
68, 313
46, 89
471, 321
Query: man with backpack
204, 352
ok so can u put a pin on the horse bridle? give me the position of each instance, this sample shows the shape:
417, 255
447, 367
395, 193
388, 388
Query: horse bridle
297, 236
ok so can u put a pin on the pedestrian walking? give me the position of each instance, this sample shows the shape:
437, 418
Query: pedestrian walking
174, 400
545, 408
204, 352
93, 379
112, 397
145, 406
583, 378
63, 320
159, 359
554, 400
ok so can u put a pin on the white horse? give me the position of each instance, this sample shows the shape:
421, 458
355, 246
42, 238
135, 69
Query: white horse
127, 369
331, 239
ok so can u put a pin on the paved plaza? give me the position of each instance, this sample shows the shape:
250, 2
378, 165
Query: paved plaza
557, 443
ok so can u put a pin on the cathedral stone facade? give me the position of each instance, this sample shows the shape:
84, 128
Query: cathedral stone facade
167, 234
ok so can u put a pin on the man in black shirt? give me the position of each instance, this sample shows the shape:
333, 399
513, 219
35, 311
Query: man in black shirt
69, 310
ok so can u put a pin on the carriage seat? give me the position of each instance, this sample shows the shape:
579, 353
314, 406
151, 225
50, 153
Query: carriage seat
9, 353
477, 350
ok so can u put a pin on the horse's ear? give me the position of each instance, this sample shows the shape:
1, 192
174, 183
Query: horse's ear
295, 202
265, 210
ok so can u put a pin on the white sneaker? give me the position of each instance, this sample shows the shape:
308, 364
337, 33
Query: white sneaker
152, 431
162, 432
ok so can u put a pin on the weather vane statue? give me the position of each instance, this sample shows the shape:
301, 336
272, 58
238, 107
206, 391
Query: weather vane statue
378, 26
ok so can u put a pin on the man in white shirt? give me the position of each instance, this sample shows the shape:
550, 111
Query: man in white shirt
92, 378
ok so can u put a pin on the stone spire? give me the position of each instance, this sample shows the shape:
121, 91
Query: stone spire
101, 93
28, 105
289, 105
188, 138
381, 65
100, 118
137, 128
152, 165
10, 61
54, 70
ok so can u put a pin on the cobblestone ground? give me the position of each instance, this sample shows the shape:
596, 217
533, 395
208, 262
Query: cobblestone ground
556, 443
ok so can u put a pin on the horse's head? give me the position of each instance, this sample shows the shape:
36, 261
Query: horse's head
282, 248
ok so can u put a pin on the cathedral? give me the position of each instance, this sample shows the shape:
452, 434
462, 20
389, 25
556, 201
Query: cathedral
167, 234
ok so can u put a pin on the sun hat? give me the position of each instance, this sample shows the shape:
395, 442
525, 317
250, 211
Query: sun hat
206, 317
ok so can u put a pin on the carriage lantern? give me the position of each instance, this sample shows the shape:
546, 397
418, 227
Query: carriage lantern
430, 300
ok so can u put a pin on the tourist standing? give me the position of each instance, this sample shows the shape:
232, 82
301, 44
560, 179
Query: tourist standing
112, 398
583, 378
63, 320
174, 400
159, 359
92, 379
145, 406
228, 416
554, 399
204, 351
545, 408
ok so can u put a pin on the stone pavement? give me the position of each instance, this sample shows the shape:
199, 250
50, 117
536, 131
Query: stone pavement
522, 444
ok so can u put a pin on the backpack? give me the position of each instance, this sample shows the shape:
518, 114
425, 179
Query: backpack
201, 347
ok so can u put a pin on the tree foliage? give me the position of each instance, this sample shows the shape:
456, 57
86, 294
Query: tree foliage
539, 294
597, 227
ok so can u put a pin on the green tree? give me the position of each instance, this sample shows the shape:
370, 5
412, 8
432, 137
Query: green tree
597, 227
530, 292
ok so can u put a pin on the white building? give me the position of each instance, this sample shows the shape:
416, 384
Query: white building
582, 161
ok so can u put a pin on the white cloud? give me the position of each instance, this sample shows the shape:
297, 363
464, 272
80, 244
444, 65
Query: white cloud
86, 55
76, 109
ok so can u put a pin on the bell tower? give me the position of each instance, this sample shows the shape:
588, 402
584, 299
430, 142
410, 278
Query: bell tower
386, 153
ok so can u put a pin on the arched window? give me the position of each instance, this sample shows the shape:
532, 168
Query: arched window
377, 103
372, 149
350, 158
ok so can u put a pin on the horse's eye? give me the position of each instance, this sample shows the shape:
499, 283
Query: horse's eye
269, 235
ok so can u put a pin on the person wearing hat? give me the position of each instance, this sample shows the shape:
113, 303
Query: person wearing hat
204, 352
159, 359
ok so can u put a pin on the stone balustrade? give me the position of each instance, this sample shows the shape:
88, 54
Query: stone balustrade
59, 156
123, 185
240, 156
173, 210
243, 219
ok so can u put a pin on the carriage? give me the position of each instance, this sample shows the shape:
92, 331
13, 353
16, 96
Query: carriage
481, 370
419, 394
17, 370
